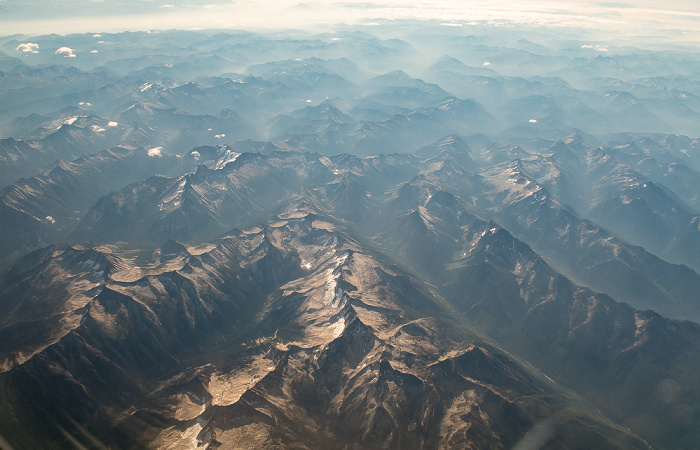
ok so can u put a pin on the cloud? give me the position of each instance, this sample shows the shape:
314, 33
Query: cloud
112, 123
94, 51
155, 151
66, 52
167, 6
28, 47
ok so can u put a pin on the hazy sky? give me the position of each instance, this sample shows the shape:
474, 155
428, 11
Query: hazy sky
679, 19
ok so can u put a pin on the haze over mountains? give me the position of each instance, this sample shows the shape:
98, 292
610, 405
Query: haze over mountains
426, 237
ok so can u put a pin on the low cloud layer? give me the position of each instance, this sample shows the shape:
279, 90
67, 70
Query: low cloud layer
623, 18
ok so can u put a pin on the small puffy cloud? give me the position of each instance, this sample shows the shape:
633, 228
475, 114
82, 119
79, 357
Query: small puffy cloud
28, 47
155, 151
112, 123
219, 136
533, 120
94, 51
486, 63
96, 35
66, 52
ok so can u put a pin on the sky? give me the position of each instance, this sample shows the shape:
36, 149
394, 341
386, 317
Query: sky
673, 19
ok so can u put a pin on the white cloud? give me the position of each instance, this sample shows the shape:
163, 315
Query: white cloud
112, 123
533, 120
196, 155
166, 6
66, 52
219, 136
94, 51
155, 151
28, 47
486, 63
96, 35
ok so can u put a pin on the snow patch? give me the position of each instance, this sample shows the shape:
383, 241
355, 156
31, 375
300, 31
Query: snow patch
173, 196
335, 295
227, 157
191, 436
338, 327
70, 120
50, 219
155, 151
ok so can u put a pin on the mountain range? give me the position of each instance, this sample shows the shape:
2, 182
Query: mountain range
240, 240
